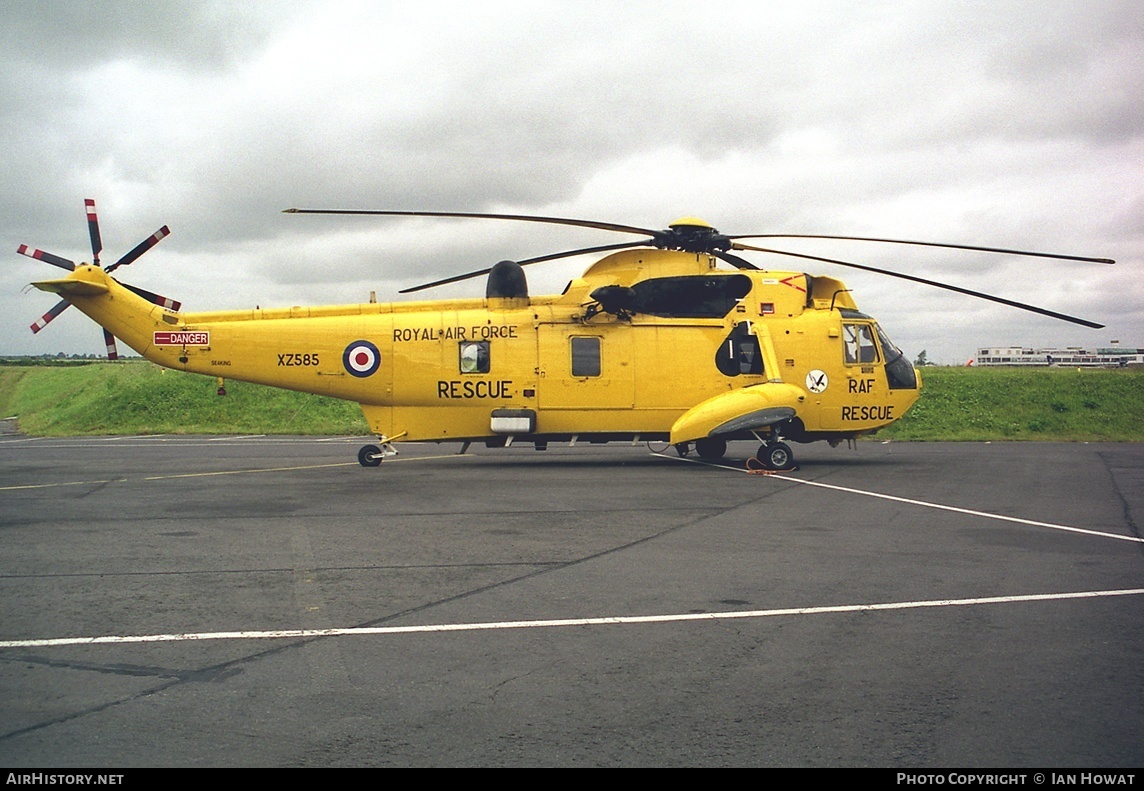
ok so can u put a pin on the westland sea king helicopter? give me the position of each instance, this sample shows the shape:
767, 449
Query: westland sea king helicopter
655, 342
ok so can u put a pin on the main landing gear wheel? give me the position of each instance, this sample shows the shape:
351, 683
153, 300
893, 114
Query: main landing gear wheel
711, 449
776, 456
369, 456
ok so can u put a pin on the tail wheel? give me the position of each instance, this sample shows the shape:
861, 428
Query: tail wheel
776, 456
711, 449
369, 456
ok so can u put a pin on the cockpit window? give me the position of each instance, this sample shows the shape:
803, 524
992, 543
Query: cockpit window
858, 341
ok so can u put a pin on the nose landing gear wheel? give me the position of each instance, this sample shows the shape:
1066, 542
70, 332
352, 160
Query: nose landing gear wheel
369, 456
775, 456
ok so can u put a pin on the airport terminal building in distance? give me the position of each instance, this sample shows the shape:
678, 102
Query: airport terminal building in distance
1112, 356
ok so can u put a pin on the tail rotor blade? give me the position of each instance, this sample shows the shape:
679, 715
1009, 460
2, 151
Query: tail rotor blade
47, 258
152, 297
93, 231
109, 341
141, 248
44, 320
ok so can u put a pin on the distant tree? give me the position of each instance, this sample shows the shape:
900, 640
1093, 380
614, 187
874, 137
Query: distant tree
921, 361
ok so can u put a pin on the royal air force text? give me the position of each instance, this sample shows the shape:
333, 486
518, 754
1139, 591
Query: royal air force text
483, 332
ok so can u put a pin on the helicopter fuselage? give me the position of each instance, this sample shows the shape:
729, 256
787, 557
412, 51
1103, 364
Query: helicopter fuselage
652, 344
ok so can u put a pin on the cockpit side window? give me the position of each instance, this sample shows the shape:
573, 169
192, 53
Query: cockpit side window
858, 342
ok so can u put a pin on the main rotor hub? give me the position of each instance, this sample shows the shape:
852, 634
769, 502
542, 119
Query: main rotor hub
693, 235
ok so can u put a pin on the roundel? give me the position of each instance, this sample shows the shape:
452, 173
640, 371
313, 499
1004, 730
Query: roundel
361, 358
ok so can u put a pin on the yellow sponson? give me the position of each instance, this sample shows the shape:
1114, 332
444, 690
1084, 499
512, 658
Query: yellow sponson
748, 409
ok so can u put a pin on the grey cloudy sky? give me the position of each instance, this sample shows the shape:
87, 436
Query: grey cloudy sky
1010, 124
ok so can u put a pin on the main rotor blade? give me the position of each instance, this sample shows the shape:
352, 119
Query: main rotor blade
734, 260
603, 226
525, 262
93, 230
923, 244
47, 258
109, 342
141, 248
947, 286
46, 319
150, 296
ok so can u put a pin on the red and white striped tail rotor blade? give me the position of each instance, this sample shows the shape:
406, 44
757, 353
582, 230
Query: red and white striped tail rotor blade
93, 231
47, 258
44, 320
151, 296
141, 248
109, 341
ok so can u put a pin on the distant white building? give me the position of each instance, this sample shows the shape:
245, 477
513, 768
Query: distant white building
1114, 356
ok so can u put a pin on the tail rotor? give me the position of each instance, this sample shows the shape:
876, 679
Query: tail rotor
96, 249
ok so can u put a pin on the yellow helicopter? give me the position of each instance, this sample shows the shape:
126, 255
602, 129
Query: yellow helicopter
653, 342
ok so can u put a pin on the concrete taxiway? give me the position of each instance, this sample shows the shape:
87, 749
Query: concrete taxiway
905, 604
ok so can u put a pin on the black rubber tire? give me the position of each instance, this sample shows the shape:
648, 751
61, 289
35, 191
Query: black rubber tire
710, 448
369, 456
776, 456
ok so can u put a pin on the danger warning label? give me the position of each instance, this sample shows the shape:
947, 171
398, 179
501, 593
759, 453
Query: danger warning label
183, 338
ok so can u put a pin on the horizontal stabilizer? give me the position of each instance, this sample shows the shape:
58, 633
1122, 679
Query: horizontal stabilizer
72, 288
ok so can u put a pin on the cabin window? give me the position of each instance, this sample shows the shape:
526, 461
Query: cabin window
739, 353
474, 357
858, 340
585, 356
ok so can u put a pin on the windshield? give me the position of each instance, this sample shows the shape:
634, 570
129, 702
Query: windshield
900, 375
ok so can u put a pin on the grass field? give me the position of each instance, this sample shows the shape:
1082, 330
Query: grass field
136, 397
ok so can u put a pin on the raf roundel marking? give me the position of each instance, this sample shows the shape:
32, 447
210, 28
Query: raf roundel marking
361, 358
816, 381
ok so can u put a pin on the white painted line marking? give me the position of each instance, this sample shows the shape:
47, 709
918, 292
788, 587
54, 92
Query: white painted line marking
923, 503
243, 472
50, 485
606, 621
237, 436
224, 472
968, 511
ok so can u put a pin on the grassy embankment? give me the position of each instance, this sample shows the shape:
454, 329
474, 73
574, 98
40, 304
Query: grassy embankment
957, 404
137, 397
